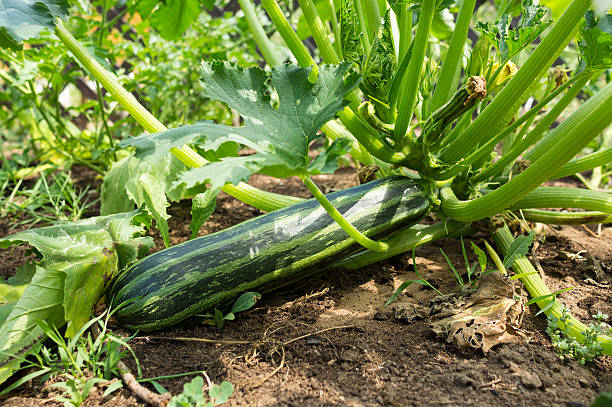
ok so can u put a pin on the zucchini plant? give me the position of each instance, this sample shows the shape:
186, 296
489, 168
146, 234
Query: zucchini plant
445, 138
455, 129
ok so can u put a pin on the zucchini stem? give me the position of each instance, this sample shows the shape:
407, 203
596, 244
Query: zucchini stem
537, 288
523, 143
585, 163
448, 77
565, 218
262, 40
497, 114
318, 31
403, 241
588, 121
409, 85
337, 216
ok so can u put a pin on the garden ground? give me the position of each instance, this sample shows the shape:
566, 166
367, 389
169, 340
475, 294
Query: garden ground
330, 342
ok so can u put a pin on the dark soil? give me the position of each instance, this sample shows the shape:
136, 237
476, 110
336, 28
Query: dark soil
329, 342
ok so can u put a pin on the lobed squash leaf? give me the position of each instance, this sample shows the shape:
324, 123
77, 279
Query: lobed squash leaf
280, 135
144, 181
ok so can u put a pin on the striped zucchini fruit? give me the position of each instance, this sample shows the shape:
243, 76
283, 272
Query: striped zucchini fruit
260, 254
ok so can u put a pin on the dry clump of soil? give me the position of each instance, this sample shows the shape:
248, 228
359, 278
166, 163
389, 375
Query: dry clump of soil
330, 342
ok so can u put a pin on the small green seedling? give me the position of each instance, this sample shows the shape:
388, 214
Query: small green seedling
406, 284
84, 361
470, 269
566, 346
193, 394
552, 297
244, 302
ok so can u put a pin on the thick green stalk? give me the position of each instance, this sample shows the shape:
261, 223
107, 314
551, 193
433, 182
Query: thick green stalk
369, 139
290, 37
496, 115
367, 38
403, 241
565, 218
336, 29
337, 216
566, 197
319, 33
410, 82
260, 199
522, 144
448, 78
305, 60
263, 42
372, 14
109, 81
585, 163
334, 130
543, 197
537, 288
590, 119
404, 22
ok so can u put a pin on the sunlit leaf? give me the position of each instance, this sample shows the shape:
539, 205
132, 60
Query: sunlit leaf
22, 20
171, 17
595, 42
509, 40
76, 261
281, 136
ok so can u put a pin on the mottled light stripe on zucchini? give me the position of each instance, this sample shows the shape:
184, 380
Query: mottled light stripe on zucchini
261, 254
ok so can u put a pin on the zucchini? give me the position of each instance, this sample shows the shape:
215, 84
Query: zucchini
260, 254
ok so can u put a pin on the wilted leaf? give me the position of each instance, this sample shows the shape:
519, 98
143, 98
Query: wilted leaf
490, 315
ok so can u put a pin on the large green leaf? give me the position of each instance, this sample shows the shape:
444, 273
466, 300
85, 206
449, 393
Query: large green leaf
595, 42
21, 20
281, 136
76, 261
508, 40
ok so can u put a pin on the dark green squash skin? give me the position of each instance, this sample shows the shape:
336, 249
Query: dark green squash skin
260, 254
